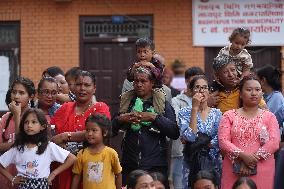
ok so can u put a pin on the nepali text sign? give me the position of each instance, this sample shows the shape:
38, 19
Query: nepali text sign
214, 20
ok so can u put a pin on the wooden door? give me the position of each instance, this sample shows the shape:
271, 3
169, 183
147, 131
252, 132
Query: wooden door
260, 56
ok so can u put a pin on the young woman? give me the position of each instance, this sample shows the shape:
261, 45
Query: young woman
249, 136
139, 179
205, 180
32, 154
199, 126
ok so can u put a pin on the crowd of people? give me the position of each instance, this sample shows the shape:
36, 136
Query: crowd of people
220, 134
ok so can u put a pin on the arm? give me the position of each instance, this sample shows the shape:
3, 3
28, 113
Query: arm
214, 141
183, 122
68, 163
16, 111
118, 181
61, 138
272, 145
76, 179
61, 98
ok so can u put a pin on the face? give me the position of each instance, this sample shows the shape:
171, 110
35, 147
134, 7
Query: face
228, 75
167, 79
204, 184
238, 44
158, 185
144, 54
145, 182
142, 85
251, 93
47, 94
19, 94
201, 86
32, 125
243, 186
71, 83
94, 134
62, 84
85, 89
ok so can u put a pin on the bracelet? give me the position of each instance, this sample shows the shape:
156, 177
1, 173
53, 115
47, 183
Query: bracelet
13, 179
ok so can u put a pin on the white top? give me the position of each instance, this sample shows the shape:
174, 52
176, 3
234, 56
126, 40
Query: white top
29, 164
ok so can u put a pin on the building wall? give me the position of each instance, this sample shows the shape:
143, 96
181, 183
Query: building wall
50, 29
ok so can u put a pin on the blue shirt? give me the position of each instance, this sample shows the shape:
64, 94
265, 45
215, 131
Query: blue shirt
274, 100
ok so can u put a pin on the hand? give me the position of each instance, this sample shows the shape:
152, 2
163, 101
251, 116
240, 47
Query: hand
146, 116
15, 108
182, 140
213, 99
19, 180
250, 160
60, 138
196, 100
50, 178
244, 170
131, 117
146, 64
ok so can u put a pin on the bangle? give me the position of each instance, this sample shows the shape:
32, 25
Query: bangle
13, 179
69, 136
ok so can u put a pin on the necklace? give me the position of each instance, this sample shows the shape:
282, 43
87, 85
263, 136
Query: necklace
85, 109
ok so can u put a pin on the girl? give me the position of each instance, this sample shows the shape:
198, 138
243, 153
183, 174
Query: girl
18, 98
139, 179
239, 39
199, 126
32, 154
244, 183
98, 163
160, 181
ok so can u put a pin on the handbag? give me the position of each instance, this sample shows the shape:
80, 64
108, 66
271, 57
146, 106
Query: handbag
237, 169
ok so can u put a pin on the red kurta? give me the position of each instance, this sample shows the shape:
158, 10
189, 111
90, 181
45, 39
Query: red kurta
66, 120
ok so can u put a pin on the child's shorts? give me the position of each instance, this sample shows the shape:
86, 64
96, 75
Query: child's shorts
35, 183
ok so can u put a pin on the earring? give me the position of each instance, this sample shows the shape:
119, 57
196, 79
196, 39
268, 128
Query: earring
39, 144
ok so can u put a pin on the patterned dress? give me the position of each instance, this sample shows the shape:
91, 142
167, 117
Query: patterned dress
209, 127
239, 134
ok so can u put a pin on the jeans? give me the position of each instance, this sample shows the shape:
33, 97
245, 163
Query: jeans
176, 171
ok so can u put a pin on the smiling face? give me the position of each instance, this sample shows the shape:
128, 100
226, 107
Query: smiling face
94, 133
85, 89
228, 75
143, 85
32, 125
47, 94
251, 93
19, 94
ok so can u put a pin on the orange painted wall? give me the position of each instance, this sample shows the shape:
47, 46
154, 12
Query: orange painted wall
50, 29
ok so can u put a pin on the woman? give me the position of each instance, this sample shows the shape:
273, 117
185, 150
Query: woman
244, 183
18, 98
271, 84
64, 95
47, 91
70, 119
139, 179
205, 180
249, 136
199, 122
227, 84
147, 124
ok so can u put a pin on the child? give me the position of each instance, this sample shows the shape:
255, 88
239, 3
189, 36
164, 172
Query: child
239, 39
97, 164
146, 57
32, 154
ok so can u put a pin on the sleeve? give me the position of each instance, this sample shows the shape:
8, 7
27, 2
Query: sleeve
167, 123
214, 135
8, 157
78, 165
280, 116
102, 108
115, 164
247, 61
57, 153
60, 117
224, 132
272, 145
183, 122
129, 73
176, 106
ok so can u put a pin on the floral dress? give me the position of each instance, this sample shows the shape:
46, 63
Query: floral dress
239, 134
209, 127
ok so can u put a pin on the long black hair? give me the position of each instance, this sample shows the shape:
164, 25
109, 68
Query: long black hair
208, 175
251, 184
272, 76
40, 139
133, 177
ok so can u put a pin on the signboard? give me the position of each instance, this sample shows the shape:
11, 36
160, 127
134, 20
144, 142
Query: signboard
214, 21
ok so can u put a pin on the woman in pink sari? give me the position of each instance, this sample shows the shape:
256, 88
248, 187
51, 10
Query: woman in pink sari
249, 136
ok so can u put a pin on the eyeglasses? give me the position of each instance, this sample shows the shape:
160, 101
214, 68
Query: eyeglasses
198, 88
46, 92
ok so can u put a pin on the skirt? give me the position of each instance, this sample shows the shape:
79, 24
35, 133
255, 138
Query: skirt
35, 183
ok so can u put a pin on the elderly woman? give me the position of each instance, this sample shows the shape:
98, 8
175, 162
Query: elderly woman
70, 119
227, 84
249, 136
147, 123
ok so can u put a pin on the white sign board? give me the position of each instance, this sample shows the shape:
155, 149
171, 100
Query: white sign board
4, 75
214, 20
